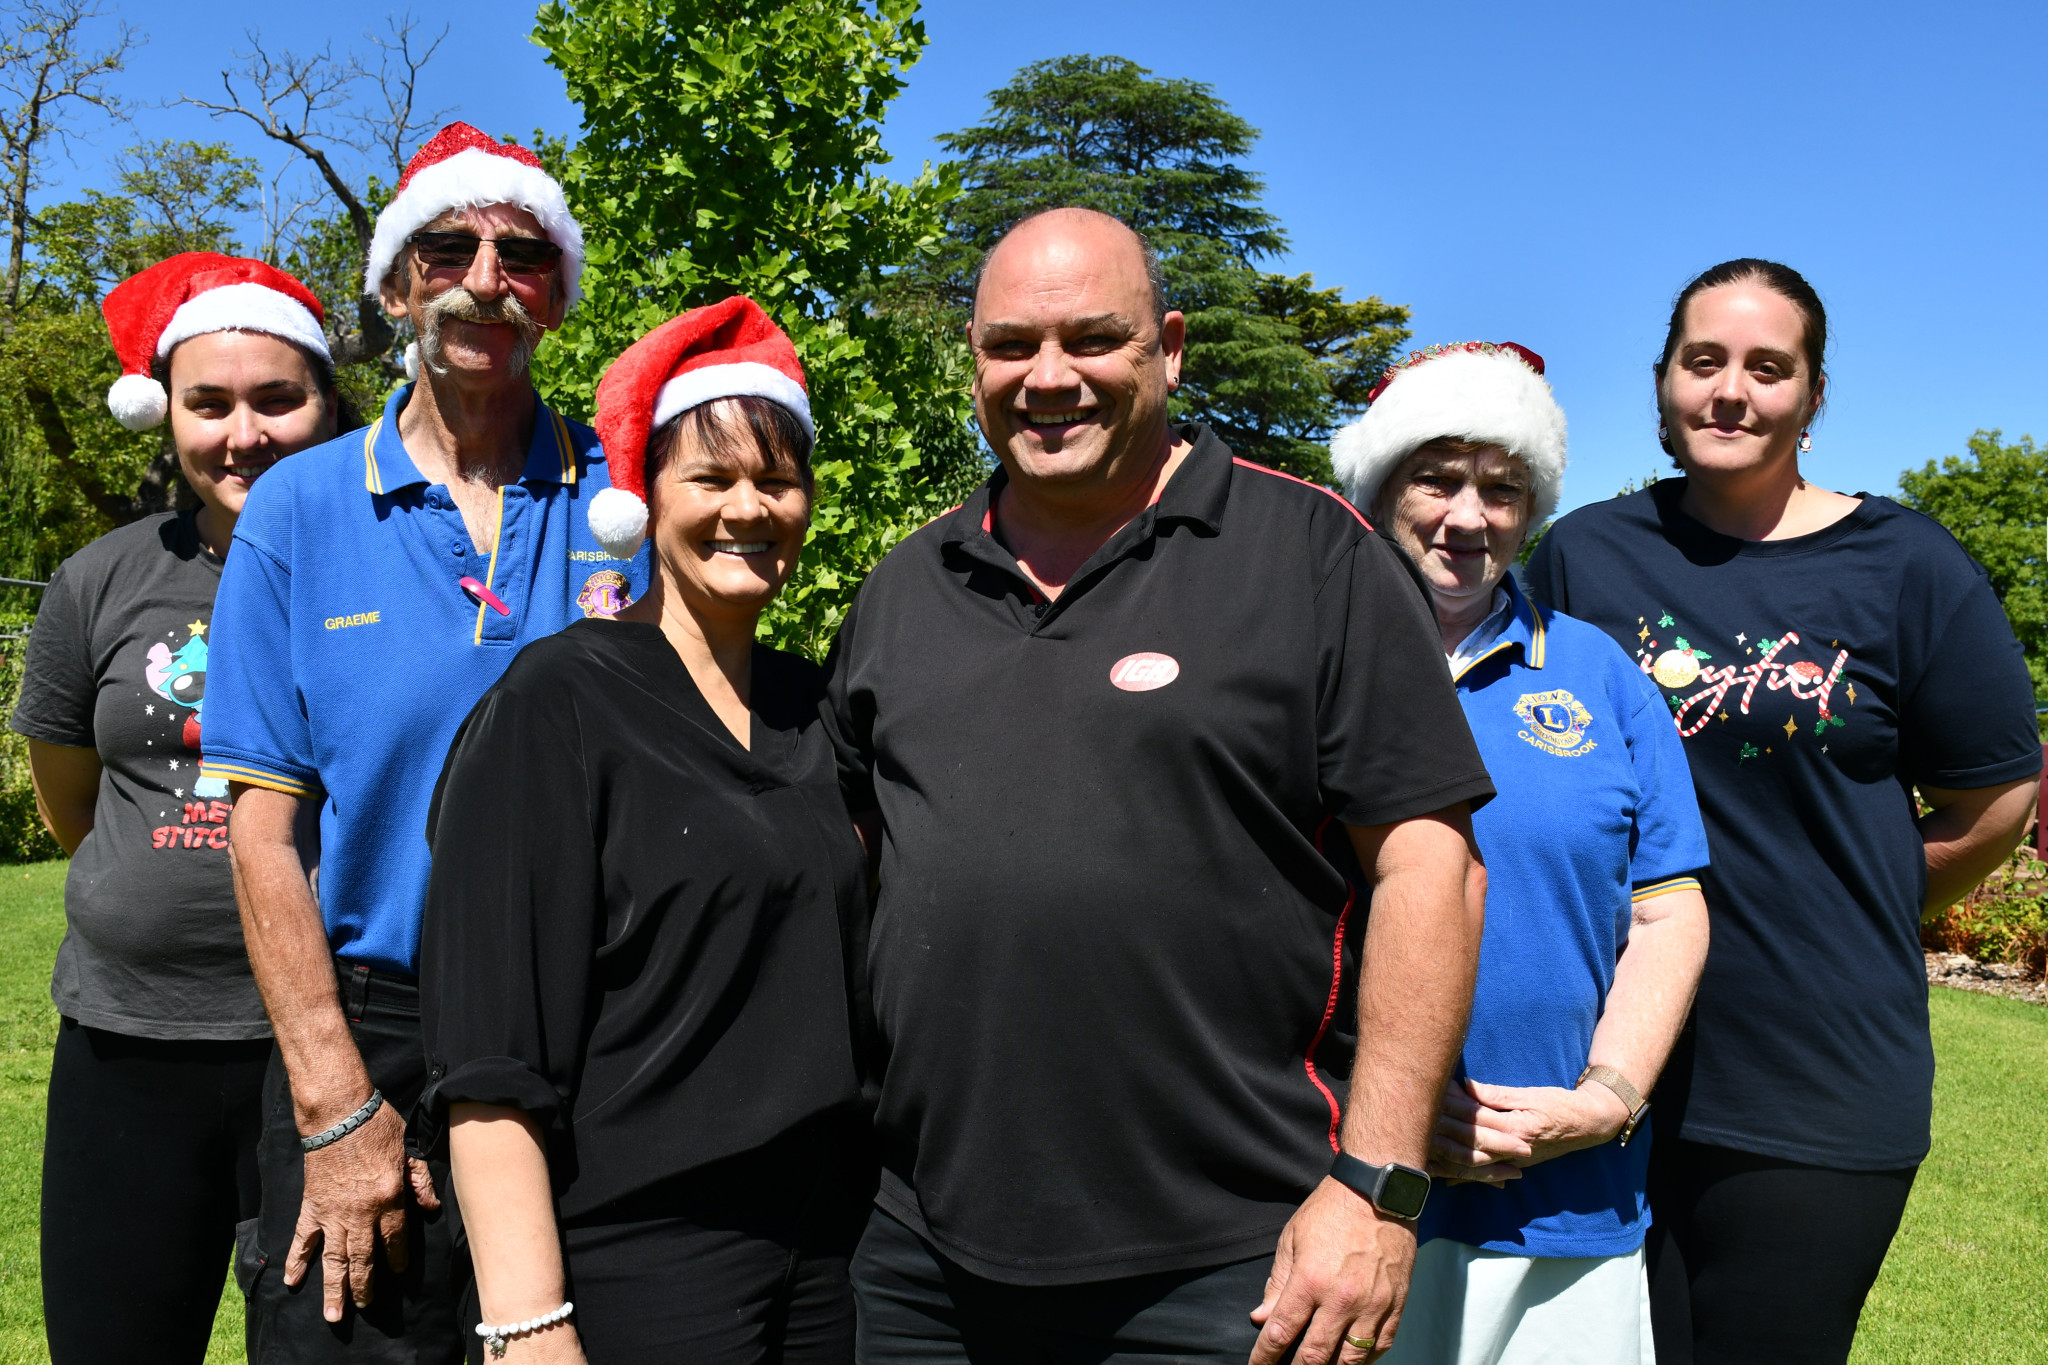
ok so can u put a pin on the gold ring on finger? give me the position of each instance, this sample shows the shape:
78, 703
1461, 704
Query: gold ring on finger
1362, 1343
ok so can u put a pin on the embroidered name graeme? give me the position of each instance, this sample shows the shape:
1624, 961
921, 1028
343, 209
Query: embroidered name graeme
361, 618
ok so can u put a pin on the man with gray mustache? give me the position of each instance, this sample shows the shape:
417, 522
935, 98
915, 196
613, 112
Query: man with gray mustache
391, 576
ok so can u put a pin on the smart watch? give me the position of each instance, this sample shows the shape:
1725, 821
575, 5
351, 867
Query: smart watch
1395, 1190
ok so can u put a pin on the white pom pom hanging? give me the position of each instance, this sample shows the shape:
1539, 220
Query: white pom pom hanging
619, 521
412, 360
138, 402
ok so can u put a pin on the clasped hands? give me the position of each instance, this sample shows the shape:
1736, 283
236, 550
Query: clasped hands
1487, 1134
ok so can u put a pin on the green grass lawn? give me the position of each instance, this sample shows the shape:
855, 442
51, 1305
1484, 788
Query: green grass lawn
31, 923
1964, 1282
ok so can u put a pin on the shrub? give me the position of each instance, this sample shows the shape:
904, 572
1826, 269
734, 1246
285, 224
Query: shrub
2003, 920
22, 836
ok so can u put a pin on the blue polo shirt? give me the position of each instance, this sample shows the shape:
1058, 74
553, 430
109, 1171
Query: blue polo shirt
345, 651
1595, 811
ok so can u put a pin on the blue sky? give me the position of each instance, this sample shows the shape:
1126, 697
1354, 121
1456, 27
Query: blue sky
1548, 174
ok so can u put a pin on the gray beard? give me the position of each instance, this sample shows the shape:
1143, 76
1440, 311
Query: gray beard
459, 303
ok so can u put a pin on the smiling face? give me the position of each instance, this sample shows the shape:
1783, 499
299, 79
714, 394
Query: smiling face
1461, 513
478, 322
240, 402
728, 519
1071, 371
1739, 388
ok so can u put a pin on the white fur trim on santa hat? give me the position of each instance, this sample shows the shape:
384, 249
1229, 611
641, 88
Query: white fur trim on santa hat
1466, 396
619, 521
473, 178
244, 307
742, 379
138, 402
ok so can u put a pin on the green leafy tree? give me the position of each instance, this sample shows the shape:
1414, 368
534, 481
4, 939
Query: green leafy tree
730, 146
1273, 362
1995, 502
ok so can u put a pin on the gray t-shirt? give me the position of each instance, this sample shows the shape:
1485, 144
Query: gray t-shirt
117, 662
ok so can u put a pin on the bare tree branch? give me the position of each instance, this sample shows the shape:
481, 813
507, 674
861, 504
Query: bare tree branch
44, 78
296, 101
399, 129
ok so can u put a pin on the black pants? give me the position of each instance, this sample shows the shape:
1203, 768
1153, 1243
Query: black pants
1756, 1259
918, 1307
742, 1262
149, 1161
411, 1317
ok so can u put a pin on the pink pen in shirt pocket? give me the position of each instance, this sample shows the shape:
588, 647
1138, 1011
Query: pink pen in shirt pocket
485, 596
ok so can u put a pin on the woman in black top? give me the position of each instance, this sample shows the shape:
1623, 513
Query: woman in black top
645, 916
1824, 657
156, 1086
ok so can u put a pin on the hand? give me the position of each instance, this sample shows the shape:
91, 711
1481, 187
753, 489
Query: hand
1485, 1131
1341, 1270
355, 1197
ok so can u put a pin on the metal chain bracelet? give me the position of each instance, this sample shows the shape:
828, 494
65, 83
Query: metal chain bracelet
327, 1137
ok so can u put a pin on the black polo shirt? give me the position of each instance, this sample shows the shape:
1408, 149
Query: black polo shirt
1112, 973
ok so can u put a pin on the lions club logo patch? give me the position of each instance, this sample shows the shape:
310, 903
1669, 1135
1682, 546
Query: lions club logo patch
1556, 723
604, 593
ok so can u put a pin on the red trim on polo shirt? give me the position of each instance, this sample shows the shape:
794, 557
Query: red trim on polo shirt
1341, 501
1308, 1060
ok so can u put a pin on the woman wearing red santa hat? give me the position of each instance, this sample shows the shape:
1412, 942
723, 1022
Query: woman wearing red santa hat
154, 1106
641, 1023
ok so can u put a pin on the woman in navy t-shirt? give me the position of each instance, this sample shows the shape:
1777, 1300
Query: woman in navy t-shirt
1824, 656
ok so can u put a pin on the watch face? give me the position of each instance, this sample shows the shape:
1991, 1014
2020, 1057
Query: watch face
1403, 1192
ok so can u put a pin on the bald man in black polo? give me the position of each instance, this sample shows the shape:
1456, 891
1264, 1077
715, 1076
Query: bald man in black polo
1154, 1085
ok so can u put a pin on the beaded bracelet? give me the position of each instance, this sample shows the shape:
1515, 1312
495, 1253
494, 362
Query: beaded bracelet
497, 1337
327, 1137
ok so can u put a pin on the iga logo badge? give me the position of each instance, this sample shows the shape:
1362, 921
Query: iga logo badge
1557, 723
1143, 672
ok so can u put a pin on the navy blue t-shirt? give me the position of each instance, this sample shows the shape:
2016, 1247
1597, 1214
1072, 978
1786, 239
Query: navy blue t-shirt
1815, 681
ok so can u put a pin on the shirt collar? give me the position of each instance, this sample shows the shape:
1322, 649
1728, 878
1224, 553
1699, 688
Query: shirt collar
388, 466
1524, 630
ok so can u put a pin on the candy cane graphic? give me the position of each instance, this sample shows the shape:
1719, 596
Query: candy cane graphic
1718, 681
1763, 665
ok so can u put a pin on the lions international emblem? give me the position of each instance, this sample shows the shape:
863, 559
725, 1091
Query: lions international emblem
604, 593
1557, 723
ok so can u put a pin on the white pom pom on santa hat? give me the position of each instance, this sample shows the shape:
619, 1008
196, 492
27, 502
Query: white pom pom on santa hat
619, 522
1470, 391
192, 294
138, 402
726, 350
412, 360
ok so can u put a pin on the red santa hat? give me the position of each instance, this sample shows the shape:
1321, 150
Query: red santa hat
190, 295
725, 350
461, 167
1491, 392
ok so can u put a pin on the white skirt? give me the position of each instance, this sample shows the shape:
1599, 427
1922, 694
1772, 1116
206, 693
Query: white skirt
1473, 1307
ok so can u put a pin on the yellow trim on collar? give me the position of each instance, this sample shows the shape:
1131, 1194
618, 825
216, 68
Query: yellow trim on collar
562, 443
373, 479
491, 574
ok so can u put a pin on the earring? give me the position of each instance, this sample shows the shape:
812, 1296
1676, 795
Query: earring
1662, 434
1805, 443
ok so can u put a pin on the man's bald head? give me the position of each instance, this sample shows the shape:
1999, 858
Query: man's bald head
1088, 231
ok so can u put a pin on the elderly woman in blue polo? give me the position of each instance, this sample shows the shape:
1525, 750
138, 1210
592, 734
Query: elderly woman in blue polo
1595, 927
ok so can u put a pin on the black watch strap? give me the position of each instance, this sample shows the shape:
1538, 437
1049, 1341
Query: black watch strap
1395, 1190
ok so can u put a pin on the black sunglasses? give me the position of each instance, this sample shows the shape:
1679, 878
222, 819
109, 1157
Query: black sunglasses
455, 250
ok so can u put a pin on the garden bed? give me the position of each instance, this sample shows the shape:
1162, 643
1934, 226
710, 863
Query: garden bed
1966, 973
